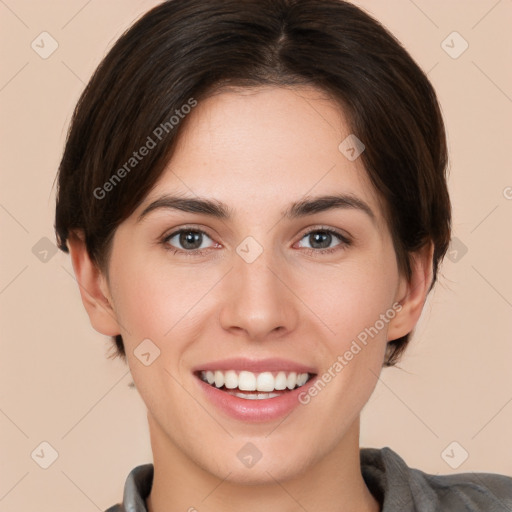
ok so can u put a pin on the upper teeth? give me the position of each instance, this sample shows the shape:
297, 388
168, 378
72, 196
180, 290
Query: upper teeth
249, 381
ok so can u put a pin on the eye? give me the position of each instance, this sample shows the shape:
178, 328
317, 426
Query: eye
188, 241
194, 242
321, 239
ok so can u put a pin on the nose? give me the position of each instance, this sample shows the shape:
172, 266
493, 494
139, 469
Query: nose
259, 302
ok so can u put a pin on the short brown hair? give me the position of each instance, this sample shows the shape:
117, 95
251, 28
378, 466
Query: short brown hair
185, 49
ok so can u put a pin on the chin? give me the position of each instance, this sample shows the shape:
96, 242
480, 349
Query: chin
258, 471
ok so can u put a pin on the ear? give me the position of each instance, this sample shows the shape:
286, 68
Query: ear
412, 294
93, 287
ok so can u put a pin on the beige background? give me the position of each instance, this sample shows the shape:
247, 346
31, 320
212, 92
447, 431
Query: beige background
56, 384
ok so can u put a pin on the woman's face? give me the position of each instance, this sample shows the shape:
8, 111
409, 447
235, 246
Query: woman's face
305, 287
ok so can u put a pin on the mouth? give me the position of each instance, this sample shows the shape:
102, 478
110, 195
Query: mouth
254, 390
255, 385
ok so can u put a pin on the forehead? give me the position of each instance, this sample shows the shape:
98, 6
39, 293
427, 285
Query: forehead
258, 149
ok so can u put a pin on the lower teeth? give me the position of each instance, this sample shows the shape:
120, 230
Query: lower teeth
249, 396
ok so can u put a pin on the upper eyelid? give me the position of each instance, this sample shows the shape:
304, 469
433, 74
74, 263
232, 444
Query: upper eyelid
174, 232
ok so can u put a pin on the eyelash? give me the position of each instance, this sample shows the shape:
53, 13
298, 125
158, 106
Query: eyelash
345, 242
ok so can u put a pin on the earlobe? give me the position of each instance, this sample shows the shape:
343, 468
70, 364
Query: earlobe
412, 294
93, 287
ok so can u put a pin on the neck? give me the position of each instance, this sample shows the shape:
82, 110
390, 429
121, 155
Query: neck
333, 484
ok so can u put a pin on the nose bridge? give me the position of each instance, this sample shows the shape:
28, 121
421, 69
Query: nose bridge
259, 302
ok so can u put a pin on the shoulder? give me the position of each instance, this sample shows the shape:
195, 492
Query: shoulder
136, 489
114, 508
397, 485
473, 491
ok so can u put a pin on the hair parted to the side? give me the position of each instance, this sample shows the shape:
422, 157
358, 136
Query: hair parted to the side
188, 49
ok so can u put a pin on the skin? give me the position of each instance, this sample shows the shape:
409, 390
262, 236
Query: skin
257, 150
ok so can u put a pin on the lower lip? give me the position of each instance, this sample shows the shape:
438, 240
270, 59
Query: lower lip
267, 409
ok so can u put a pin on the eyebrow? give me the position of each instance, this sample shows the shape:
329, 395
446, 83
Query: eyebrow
299, 209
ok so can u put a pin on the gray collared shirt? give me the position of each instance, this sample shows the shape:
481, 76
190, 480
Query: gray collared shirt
397, 487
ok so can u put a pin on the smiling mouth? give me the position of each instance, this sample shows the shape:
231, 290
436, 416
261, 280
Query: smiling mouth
254, 386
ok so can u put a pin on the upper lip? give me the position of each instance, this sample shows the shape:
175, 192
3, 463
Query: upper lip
255, 365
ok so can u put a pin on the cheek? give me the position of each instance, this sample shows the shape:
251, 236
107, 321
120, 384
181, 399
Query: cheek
151, 296
351, 298
356, 304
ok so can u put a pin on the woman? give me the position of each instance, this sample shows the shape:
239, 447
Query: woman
254, 197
